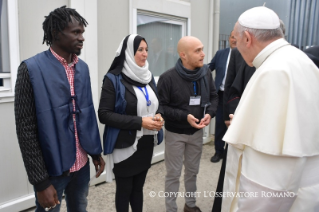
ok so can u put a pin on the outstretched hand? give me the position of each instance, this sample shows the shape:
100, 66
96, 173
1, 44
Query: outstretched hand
193, 122
206, 120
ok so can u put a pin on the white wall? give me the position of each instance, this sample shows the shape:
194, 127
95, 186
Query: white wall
199, 23
113, 22
31, 17
171, 7
14, 182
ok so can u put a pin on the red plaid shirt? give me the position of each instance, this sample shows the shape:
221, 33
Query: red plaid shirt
81, 155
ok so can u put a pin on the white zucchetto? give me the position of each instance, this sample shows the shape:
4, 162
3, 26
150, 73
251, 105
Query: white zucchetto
259, 18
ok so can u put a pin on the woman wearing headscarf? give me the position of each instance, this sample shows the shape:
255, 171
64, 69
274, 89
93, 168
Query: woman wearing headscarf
128, 108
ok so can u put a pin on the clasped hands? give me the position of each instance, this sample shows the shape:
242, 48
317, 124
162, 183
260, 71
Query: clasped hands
153, 123
203, 122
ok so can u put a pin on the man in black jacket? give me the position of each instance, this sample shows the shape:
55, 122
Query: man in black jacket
188, 101
238, 75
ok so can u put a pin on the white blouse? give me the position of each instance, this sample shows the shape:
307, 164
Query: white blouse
143, 110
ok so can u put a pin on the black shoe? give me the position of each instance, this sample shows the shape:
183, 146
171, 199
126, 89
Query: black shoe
216, 158
193, 209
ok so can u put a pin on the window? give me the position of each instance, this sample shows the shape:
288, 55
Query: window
3, 42
9, 51
162, 34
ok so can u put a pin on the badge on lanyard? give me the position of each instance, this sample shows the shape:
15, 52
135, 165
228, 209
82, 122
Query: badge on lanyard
148, 101
194, 100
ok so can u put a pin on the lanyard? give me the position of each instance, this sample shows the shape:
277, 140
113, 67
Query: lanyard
194, 83
148, 101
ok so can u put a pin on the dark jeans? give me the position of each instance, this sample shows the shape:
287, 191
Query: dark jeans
75, 187
220, 127
130, 190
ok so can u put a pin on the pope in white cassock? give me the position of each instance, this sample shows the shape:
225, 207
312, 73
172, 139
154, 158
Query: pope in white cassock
273, 155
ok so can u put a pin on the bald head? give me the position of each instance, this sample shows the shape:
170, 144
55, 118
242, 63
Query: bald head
190, 50
184, 43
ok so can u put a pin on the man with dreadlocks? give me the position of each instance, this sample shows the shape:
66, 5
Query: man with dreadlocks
55, 118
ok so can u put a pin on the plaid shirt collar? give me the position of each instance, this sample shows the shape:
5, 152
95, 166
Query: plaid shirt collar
75, 59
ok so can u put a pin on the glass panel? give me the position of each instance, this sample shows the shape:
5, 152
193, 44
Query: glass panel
162, 36
4, 39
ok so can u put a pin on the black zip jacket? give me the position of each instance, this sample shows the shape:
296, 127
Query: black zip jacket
174, 95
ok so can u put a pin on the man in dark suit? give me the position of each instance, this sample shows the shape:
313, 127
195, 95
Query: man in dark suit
238, 75
220, 64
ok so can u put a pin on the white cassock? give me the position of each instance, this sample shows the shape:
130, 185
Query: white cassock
274, 137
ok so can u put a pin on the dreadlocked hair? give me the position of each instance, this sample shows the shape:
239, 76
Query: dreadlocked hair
57, 20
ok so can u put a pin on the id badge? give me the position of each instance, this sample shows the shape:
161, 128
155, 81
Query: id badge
194, 100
